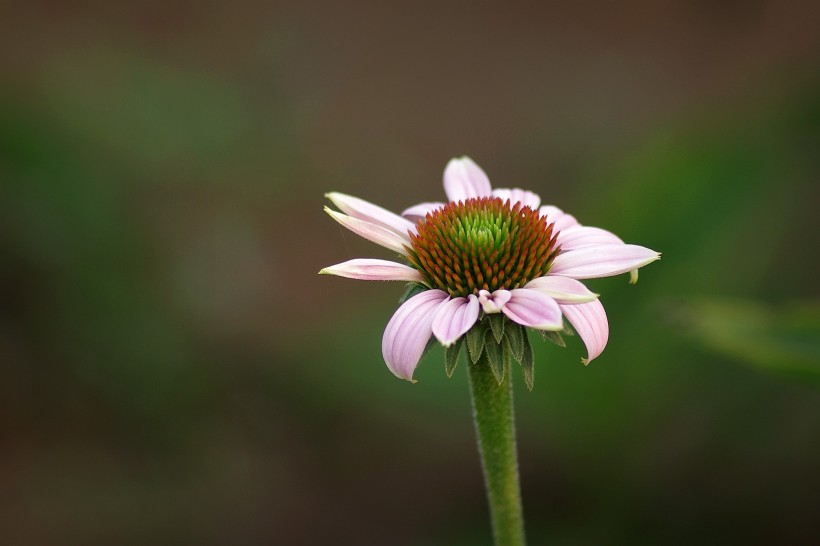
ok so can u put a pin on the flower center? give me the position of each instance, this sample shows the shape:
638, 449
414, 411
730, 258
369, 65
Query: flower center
482, 244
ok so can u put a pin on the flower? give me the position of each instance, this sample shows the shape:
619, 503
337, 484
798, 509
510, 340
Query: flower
485, 252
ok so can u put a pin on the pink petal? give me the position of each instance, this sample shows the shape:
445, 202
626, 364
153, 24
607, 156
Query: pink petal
562, 289
535, 309
602, 261
517, 195
417, 212
561, 219
363, 210
454, 318
493, 303
373, 270
371, 232
589, 320
580, 236
408, 332
464, 179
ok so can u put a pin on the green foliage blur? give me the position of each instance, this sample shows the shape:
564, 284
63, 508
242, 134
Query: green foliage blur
174, 371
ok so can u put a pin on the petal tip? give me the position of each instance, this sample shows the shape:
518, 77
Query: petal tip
408, 379
548, 327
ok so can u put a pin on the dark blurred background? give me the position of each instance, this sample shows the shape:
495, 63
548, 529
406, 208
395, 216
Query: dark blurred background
173, 370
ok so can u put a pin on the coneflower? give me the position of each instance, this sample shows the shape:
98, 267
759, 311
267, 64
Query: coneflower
485, 252
483, 268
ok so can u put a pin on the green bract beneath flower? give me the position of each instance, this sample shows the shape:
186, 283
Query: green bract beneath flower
482, 244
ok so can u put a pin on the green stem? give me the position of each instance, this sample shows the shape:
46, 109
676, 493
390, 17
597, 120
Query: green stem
495, 427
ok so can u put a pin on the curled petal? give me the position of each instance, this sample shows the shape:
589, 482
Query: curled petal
602, 260
408, 332
493, 303
561, 219
517, 195
363, 210
580, 236
417, 212
589, 320
534, 309
372, 232
562, 289
373, 270
464, 179
454, 318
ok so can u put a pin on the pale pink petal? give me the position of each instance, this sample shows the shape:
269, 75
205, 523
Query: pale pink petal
517, 195
493, 303
417, 212
454, 318
534, 309
601, 261
589, 320
561, 219
371, 232
373, 270
580, 236
363, 210
562, 289
408, 332
463, 179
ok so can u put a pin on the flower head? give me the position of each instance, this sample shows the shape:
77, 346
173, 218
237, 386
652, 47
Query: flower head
482, 243
486, 253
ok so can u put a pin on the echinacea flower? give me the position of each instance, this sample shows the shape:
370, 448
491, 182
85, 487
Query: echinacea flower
486, 252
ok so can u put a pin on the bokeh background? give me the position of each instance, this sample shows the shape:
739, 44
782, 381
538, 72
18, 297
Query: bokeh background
174, 371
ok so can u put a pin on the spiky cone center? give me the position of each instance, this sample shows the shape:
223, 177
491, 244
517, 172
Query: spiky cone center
482, 244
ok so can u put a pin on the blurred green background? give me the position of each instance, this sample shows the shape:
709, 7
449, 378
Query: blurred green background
173, 370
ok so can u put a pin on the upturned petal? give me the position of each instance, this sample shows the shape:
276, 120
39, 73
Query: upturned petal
454, 318
562, 289
534, 309
364, 210
464, 179
581, 236
408, 332
417, 212
517, 195
493, 303
372, 232
373, 270
589, 320
561, 219
602, 261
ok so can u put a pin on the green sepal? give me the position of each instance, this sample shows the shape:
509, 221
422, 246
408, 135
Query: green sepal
430, 342
497, 321
452, 355
475, 341
495, 355
515, 335
413, 288
507, 357
528, 362
555, 337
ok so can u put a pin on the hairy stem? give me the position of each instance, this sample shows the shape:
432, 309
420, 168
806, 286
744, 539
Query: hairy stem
495, 427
